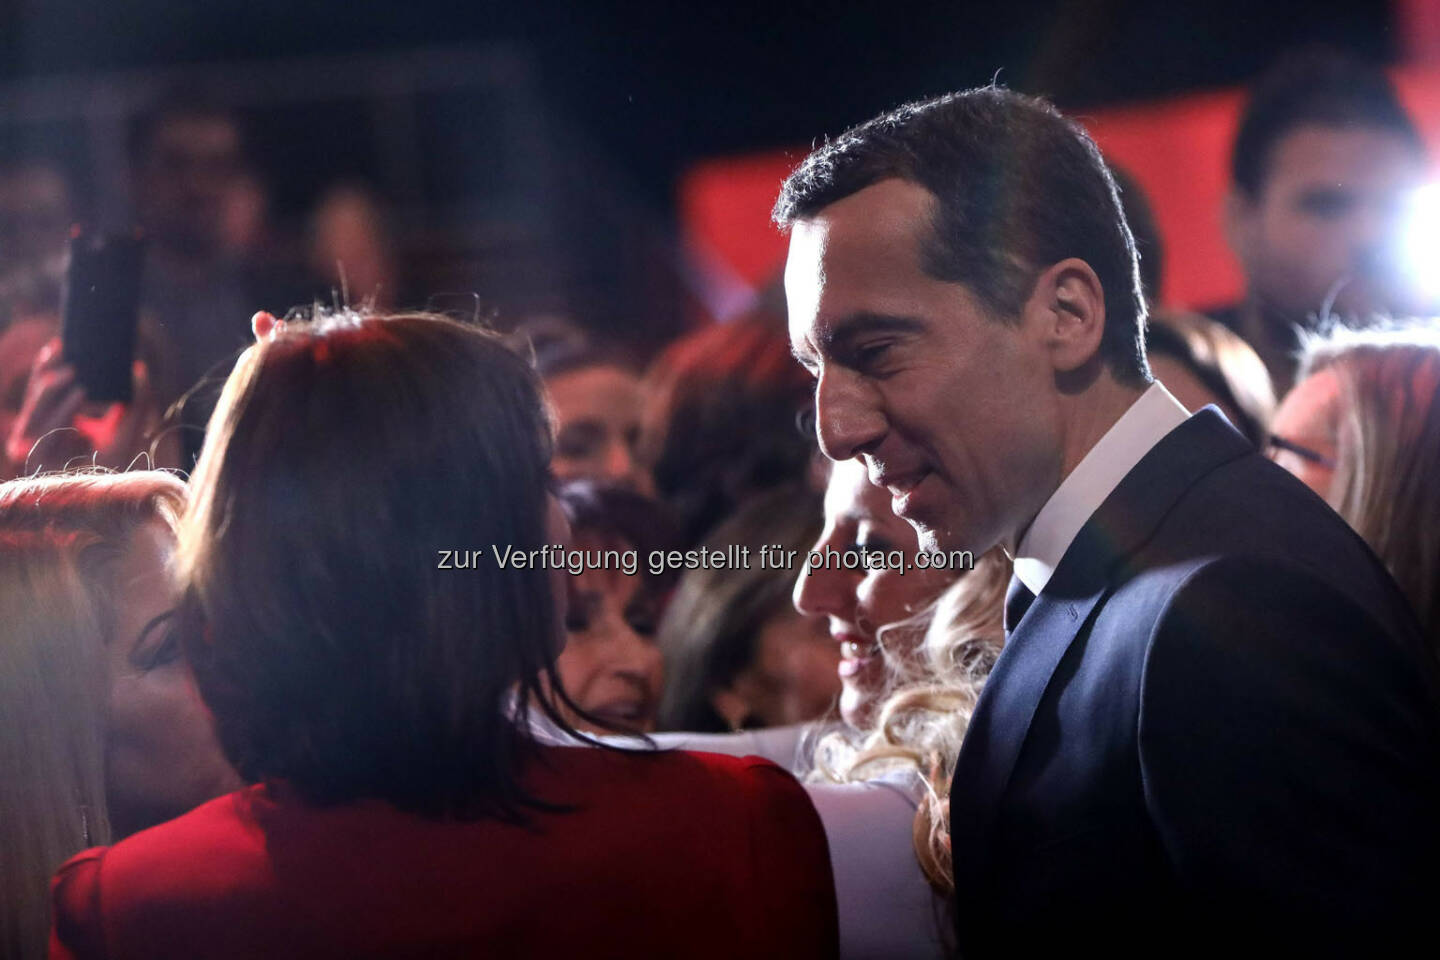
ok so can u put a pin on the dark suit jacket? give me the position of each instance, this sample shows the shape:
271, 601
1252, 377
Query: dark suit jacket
669, 854
1215, 731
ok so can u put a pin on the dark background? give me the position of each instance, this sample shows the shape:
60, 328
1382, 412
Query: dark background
527, 155
656, 86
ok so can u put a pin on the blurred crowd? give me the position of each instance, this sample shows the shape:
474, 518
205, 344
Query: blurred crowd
844, 676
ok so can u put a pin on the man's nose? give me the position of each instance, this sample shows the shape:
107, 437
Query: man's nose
848, 420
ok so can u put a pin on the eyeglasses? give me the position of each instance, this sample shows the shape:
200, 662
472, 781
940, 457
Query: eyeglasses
1304, 453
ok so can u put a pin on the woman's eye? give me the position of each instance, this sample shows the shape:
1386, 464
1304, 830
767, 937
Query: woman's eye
579, 611
642, 620
577, 441
874, 545
158, 643
165, 650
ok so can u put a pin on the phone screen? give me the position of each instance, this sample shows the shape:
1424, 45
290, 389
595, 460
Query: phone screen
100, 312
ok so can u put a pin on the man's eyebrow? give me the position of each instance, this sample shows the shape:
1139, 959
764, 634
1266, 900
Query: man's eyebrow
802, 356
838, 335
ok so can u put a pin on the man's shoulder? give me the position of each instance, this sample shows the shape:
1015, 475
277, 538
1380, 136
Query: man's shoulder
1252, 514
1243, 537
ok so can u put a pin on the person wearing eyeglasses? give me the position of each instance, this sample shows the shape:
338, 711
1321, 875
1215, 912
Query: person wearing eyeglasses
1362, 429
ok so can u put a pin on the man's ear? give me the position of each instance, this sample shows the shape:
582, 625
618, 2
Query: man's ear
1068, 305
1241, 223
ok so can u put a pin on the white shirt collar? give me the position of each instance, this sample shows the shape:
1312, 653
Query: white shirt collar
1080, 494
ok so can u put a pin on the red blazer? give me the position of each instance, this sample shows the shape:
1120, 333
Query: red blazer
666, 855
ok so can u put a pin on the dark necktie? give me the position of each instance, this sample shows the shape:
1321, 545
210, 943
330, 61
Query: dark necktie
1017, 600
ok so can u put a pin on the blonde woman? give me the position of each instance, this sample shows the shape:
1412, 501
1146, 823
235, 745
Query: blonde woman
1362, 429
101, 732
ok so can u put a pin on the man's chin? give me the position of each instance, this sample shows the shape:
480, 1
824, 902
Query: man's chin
933, 538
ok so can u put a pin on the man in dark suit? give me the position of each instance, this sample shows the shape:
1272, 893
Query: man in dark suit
1213, 729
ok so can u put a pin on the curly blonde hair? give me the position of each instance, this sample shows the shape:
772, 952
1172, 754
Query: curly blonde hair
924, 717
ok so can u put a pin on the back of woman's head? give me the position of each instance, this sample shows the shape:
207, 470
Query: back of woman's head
1387, 470
336, 649
710, 632
1222, 364
722, 421
60, 538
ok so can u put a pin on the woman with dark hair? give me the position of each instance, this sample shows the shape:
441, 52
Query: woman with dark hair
377, 692
611, 667
595, 399
722, 422
738, 655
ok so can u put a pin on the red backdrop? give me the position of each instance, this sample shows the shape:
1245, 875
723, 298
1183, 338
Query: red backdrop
1178, 149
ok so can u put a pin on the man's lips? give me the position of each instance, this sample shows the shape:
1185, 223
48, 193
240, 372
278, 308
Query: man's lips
902, 495
899, 484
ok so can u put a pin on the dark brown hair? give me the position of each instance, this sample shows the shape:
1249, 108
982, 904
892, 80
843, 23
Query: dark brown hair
710, 631
1318, 86
337, 656
725, 420
1018, 187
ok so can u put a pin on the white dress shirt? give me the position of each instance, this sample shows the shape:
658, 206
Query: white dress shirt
1098, 473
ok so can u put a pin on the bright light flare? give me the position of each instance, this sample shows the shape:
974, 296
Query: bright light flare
1420, 242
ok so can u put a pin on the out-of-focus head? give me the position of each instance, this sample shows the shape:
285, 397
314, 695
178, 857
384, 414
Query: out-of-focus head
737, 654
1323, 163
191, 167
611, 665
101, 730
1202, 362
859, 604
960, 275
339, 650
36, 211
119, 531
722, 415
350, 245
595, 399
1362, 429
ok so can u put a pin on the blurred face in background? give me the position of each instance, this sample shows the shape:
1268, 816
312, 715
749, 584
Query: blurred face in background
191, 174
597, 412
1330, 209
792, 678
161, 756
856, 604
34, 218
1307, 428
611, 666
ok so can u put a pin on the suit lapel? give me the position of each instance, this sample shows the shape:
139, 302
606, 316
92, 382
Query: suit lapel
1040, 640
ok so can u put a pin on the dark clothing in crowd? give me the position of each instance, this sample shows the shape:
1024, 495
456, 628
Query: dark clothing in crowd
1215, 731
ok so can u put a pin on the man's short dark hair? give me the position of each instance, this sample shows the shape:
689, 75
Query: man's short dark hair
1018, 187
1314, 86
